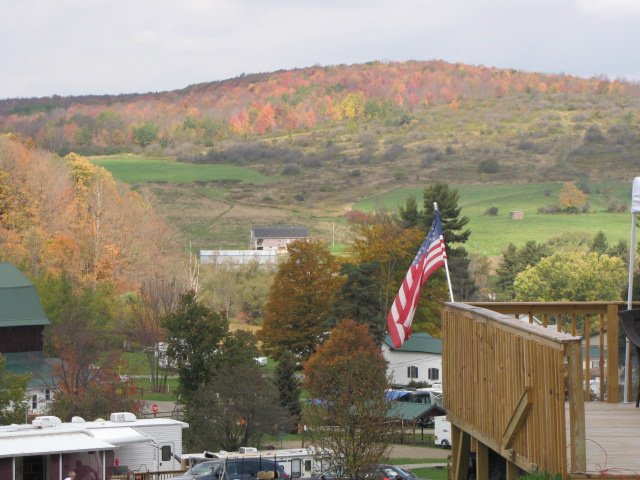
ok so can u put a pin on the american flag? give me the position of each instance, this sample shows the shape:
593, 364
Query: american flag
429, 258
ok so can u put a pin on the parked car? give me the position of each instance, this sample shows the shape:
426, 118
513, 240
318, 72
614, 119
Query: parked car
233, 469
376, 473
202, 471
392, 472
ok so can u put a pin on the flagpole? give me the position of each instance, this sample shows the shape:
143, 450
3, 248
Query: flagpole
446, 265
627, 350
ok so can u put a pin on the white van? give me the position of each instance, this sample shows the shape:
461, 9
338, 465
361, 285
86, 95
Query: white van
442, 431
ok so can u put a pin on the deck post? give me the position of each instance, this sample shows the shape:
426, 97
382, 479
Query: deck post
613, 395
577, 436
513, 472
461, 446
482, 461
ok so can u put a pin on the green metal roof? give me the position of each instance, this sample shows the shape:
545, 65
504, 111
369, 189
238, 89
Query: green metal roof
418, 342
413, 411
33, 364
19, 302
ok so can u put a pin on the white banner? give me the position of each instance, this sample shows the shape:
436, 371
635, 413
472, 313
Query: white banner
635, 196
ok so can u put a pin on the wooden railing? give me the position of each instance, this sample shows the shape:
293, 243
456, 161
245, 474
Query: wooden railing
584, 319
505, 384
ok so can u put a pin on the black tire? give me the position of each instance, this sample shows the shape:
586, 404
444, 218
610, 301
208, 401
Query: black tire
445, 444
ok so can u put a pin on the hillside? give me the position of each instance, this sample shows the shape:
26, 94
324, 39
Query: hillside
326, 137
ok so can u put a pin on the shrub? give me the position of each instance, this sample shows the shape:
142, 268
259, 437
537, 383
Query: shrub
291, 170
594, 135
490, 165
615, 206
299, 197
491, 211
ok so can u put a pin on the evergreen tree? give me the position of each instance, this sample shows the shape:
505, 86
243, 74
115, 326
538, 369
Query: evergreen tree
452, 223
599, 244
359, 298
452, 230
288, 385
194, 332
409, 213
514, 261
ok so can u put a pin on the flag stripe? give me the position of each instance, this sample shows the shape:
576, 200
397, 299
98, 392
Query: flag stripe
430, 257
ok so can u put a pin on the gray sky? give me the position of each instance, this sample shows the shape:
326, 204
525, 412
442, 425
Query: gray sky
73, 47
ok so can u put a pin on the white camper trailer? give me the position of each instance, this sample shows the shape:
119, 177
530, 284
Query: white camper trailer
297, 462
142, 445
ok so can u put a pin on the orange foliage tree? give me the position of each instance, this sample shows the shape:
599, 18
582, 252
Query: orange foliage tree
347, 378
297, 314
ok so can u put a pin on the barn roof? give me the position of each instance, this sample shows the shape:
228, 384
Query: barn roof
19, 302
280, 232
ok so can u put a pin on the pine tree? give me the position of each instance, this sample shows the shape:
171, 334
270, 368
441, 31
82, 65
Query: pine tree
287, 384
409, 214
359, 298
452, 230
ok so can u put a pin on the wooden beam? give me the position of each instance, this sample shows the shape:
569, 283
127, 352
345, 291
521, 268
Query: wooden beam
577, 436
613, 396
522, 462
517, 418
513, 472
482, 462
460, 443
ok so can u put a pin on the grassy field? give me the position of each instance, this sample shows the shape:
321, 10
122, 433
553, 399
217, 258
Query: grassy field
431, 473
490, 234
136, 169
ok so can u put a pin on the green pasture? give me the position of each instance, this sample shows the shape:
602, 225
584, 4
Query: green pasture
491, 234
136, 169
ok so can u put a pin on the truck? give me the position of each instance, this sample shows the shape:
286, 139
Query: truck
442, 431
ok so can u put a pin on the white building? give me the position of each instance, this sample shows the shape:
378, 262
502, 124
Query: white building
418, 360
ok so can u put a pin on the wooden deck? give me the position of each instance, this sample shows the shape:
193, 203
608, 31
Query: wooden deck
612, 439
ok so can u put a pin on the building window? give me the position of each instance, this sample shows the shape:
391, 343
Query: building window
47, 394
34, 402
433, 374
412, 372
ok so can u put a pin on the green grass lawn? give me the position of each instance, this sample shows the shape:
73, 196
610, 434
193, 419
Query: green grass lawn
136, 169
491, 234
431, 473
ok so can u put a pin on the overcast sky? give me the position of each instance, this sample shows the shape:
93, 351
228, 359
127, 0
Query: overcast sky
73, 47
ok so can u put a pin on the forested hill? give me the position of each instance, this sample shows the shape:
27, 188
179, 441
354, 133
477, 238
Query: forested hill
430, 116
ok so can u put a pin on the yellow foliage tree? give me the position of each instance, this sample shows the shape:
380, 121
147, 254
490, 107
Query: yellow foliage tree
572, 197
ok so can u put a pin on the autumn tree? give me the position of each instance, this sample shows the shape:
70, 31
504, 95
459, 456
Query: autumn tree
13, 389
572, 198
157, 299
390, 245
346, 377
298, 311
87, 382
572, 276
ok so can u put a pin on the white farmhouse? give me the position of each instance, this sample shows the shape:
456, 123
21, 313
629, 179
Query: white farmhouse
418, 360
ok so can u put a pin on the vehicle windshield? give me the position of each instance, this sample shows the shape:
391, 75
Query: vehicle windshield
201, 468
